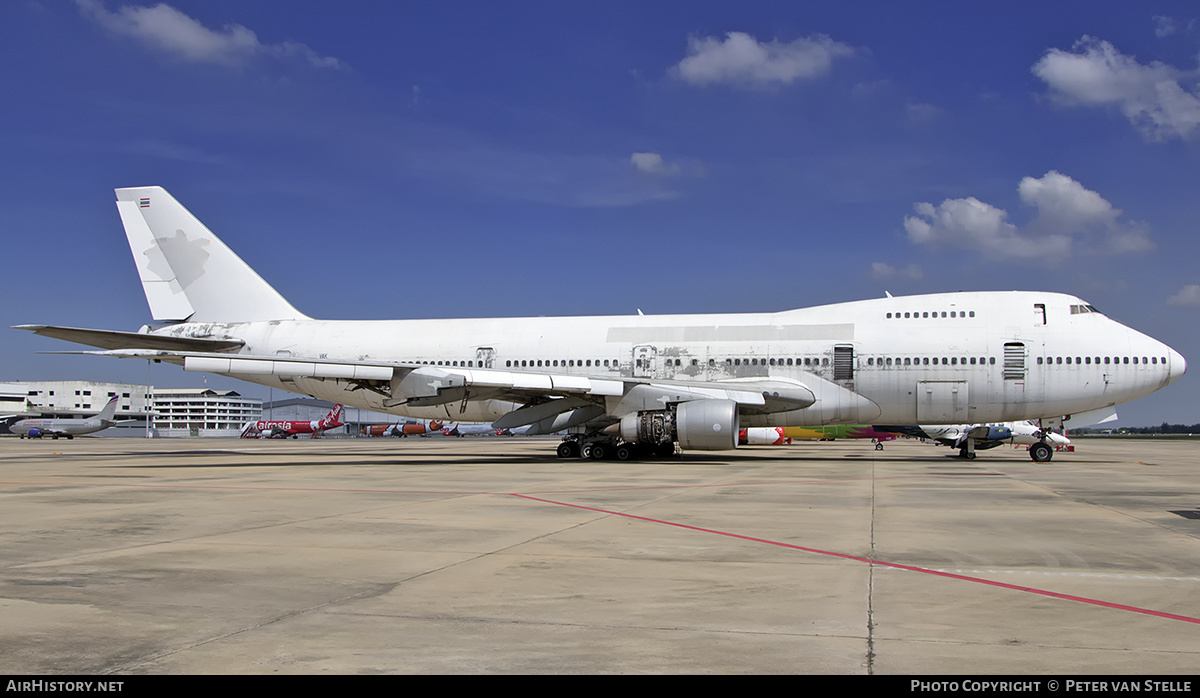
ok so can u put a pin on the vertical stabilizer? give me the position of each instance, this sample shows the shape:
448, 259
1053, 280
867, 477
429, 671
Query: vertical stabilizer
109, 411
333, 419
187, 272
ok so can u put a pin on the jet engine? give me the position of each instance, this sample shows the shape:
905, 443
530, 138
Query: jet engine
699, 425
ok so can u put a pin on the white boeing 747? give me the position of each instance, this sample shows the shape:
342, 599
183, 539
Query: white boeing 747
629, 385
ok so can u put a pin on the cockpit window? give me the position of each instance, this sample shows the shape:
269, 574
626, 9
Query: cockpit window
1085, 308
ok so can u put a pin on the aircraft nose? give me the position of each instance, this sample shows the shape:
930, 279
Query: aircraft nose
1177, 366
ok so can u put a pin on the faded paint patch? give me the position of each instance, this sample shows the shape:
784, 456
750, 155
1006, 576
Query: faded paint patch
732, 333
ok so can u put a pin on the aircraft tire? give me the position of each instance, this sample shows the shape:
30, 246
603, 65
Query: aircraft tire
599, 451
1041, 452
568, 449
624, 452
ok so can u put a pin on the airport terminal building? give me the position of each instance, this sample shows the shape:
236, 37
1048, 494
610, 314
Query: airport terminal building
174, 412
203, 412
171, 411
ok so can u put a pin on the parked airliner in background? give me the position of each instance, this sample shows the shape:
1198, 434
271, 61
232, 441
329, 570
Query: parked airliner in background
402, 430
268, 429
480, 429
778, 436
70, 428
627, 385
965, 437
969, 437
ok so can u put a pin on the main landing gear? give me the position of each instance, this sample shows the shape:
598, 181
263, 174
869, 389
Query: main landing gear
611, 449
1041, 452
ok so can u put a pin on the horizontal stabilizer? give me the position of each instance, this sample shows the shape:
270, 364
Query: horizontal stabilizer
113, 339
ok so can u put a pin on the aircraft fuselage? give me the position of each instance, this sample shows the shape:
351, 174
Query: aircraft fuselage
949, 358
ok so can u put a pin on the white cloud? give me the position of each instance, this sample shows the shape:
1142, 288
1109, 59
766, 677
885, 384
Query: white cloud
1067, 213
166, 29
1163, 26
652, 163
1188, 295
883, 272
1159, 100
742, 60
974, 225
922, 113
1064, 204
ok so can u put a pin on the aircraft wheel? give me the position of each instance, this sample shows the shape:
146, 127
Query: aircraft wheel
878, 447
568, 449
1041, 452
624, 452
964, 453
585, 451
599, 451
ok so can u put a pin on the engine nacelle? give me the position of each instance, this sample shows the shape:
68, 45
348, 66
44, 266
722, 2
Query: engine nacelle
996, 433
698, 425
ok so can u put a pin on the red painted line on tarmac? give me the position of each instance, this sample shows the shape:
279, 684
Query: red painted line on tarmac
699, 529
892, 565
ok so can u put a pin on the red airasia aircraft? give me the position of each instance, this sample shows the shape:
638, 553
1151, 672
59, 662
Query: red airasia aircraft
418, 429
285, 429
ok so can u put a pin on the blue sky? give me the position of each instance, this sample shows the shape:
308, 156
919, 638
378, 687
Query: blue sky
466, 159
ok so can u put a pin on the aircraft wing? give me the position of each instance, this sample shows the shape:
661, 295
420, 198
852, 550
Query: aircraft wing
545, 397
113, 339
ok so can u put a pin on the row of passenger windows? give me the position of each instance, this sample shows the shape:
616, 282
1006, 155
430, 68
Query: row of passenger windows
607, 363
934, 313
526, 363
927, 361
1056, 360
811, 362
1052, 360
